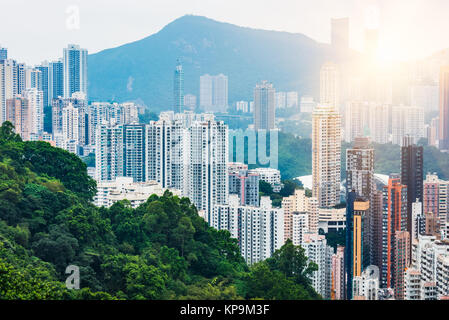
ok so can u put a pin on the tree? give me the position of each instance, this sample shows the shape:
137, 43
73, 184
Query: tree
265, 188
293, 263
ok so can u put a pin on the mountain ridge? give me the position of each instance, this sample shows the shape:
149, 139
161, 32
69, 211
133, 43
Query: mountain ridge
143, 69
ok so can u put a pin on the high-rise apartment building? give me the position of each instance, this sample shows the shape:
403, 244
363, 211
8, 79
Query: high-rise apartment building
366, 286
338, 275
75, 70
402, 250
360, 168
189, 152
36, 110
18, 113
80, 105
8, 84
70, 124
444, 108
412, 175
376, 227
425, 94
307, 104
109, 153
134, 158
299, 203
281, 100
214, 93
292, 100
259, 230
357, 210
329, 85
264, 106
317, 250
44, 82
436, 197
367, 119
55, 80
394, 220
427, 277
244, 184
326, 155
407, 121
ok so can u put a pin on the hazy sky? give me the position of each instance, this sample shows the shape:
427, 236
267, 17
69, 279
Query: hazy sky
36, 30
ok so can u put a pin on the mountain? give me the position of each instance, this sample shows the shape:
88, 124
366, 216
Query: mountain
143, 70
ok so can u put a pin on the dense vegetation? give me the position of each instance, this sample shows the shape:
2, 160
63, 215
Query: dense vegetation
161, 250
288, 189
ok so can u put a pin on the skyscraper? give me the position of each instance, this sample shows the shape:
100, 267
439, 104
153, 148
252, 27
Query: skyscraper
75, 70
407, 121
326, 155
55, 80
360, 178
214, 93
357, 210
109, 152
402, 252
360, 168
178, 89
340, 33
444, 108
412, 175
18, 113
329, 85
359, 238
436, 198
189, 152
70, 124
44, 68
264, 106
338, 274
134, 158
317, 250
377, 217
36, 110
259, 230
21, 77
2, 92
8, 84
394, 219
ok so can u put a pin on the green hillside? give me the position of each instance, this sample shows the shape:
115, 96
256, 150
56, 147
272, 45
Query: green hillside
161, 250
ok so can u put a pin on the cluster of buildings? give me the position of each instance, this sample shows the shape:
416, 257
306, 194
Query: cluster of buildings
396, 243
27, 92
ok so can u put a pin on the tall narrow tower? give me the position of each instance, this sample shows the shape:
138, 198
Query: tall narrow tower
329, 89
264, 106
178, 89
326, 155
444, 108
412, 175
75, 70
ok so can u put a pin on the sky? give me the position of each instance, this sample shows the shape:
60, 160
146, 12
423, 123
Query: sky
37, 30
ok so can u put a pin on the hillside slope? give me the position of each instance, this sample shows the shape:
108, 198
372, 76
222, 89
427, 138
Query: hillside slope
144, 69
